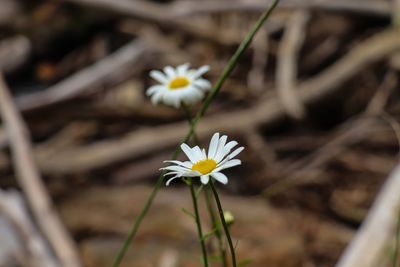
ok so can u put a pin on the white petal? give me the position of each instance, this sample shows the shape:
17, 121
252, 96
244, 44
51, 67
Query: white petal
202, 84
177, 103
175, 168
172, 173
192, 96
188, 151
192, 174
228, 147
197, 152
235, 152
182, 69
220, 148
213, 145
170, 72
220, 177
186, 164
200, 71
158, 76
228, 164
170, 179
204, 179
156, 98
153, 89
203, 152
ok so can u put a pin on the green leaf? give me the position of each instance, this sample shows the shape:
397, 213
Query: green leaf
244, 262
209, 234
216, 258
188, 213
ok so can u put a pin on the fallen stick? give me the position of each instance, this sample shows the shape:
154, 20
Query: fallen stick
373, 238
103, 74
167, 12
159, 14
23, 236
29, 179
373, 8
268, 111
286, 71
14, 52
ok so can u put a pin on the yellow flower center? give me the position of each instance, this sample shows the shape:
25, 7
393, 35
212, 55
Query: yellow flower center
178, 83
204, 166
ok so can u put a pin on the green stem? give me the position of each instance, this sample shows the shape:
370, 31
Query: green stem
216, 226
217, 87
198, 223
209, 204
396, 244
190, 119
226, 229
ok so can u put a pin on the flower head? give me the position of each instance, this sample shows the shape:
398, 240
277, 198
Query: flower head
204, 165
178, 85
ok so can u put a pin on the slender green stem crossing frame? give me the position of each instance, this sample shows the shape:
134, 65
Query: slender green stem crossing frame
222, 217
216, 226
198, 223
208, 196
396, 243
216, 88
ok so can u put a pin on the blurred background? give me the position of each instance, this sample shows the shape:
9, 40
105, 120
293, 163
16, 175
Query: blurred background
314, 100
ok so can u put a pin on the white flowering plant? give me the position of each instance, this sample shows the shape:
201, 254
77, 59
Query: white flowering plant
184, 87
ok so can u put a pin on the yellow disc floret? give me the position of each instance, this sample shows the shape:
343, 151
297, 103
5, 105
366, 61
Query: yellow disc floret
204, 166
178, 83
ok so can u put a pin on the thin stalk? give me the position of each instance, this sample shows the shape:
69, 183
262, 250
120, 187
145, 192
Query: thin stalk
396, 244
208, 197
198, 223
217, 87
226, 229
190, 120
216, 226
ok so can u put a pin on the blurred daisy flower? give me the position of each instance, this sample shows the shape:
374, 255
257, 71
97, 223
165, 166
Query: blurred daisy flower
204, 165
178, 85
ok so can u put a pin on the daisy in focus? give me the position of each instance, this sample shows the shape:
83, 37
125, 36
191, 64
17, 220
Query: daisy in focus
178, 85
206, 165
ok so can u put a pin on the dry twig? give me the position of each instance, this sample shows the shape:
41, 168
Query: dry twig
14, 52
103, 74
29, 178
189, 8
29, 239
376, 232
168, 12
306, 169
286, 72
268, 111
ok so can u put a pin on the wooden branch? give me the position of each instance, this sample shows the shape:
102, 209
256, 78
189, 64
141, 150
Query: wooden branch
306, 170
372, 240
103, 74
14, 52
24, 233
162, 13
147, 140
29, 178
8, 11
256, 76
374, 8
286, 71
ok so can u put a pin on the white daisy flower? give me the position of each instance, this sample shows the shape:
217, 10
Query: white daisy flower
204, 165
178, 85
